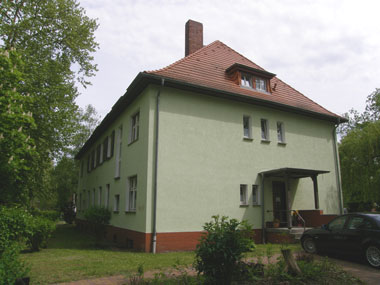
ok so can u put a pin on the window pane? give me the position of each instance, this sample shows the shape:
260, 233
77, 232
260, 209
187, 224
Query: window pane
264, 129
337, 224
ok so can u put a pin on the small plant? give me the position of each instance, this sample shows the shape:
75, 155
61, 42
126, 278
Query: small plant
221, 248
98, 215
39, 231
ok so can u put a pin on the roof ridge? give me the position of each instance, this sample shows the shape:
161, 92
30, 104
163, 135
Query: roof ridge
182, 59
306, 97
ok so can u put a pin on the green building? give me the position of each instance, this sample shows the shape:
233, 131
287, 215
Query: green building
212, 133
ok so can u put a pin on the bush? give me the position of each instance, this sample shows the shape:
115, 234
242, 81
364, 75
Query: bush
221, 248
39, 231
17, 225
51, 215
11, 268
69, 212
98, 215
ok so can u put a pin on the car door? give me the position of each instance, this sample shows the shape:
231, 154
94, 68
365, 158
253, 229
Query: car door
356, 230
331, 238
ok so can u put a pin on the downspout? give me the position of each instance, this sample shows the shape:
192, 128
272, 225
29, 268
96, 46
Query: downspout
154, 235
262, 209
337, 169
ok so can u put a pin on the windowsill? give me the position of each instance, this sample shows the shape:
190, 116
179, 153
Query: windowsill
133, 141
265, 141
255, 205
247, 139
117, 177
244, 205
281, 143
130, 212
115, 212
257, 90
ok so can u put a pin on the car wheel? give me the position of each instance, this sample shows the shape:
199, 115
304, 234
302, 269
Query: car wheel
372, 255
309, 245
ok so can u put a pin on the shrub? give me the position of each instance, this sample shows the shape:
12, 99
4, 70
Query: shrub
221, 248
69, 212
51, 215
98, 215
39, 231
11, 268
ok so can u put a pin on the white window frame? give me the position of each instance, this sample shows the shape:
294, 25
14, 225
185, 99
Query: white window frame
243, 195
265, 131
107, 197
116, 203
109, 146
256, 193
135, 127
246, 80
247, 119
101, 154
280, 132
262, 83
119, 142
131, 194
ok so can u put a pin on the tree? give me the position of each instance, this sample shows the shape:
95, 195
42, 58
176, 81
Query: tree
17, 148
56, 41
359, 153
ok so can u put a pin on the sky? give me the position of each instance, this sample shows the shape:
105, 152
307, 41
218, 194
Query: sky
328, 50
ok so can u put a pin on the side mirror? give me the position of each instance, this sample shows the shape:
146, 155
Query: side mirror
325, 227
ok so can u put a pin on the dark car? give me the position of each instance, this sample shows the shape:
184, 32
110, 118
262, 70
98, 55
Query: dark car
354, 234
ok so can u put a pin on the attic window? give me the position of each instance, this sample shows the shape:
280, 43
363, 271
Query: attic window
261, 84
246, 80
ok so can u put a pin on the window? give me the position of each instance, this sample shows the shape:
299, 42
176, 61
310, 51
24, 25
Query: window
98, 153
134, 127
337, 224
92, 160
246, 80
261, 84
88, 164
116, 203
111, 140
359, 223
107, 197
255, 195
264, 130
100, 196
131, 194
247, 132
81, 168
119, 141
88, 199
243, 195
280, 132
105, 148
101, 154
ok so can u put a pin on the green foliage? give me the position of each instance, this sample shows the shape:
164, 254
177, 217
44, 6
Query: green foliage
221, 248
98, 215
17, 225
56, 40
69, 213
359, 152
17, 148
51, 215
11, 267
38, 232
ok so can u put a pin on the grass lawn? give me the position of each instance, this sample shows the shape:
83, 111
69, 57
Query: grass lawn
72, 255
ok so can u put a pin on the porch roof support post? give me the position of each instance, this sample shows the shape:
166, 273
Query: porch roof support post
262, 209
316, 196
288, 216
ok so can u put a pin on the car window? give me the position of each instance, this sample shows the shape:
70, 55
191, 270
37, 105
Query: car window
359, 223
337, 224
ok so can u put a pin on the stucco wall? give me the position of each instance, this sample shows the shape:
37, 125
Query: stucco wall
203, 159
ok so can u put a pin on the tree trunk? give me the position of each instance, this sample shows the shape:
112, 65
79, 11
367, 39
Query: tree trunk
291, 264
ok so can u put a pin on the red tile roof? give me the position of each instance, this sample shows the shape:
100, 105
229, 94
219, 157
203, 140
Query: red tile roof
207, 68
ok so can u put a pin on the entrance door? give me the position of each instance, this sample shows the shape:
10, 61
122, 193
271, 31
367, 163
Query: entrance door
279, 201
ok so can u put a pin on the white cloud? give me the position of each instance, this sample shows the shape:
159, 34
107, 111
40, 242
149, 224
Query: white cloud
328, 50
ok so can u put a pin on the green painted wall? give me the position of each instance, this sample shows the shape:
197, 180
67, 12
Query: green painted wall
203, 159
135, 161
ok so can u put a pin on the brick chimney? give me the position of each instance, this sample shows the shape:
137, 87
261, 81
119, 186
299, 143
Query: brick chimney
193, 37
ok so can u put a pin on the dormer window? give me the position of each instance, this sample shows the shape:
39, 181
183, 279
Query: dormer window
246, 80
249, 77
261, 84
